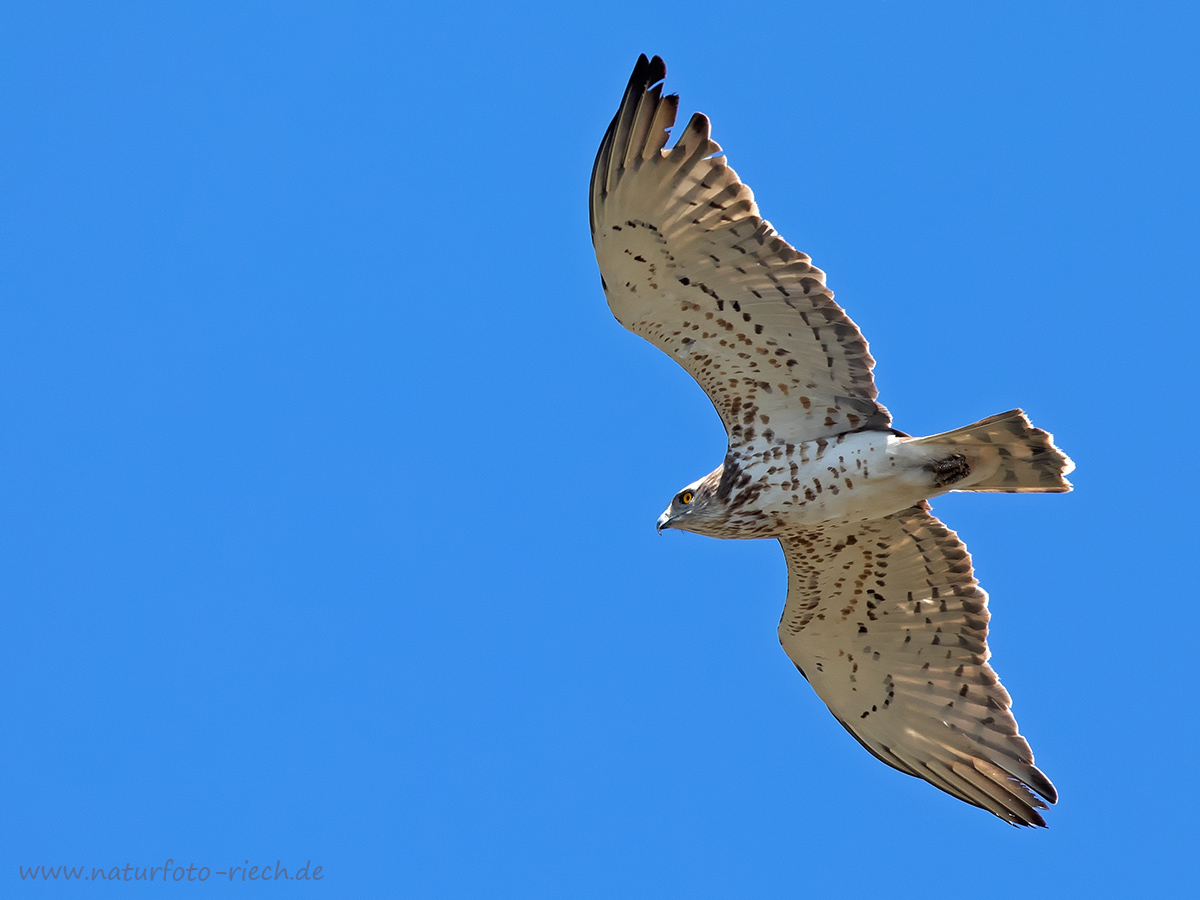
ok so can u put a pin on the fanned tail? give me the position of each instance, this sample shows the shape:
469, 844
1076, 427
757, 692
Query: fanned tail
1006, 453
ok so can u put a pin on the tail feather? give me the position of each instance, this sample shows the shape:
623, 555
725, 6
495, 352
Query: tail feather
1006, 453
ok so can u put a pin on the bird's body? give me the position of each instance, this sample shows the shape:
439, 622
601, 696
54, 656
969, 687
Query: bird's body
883, 614
779, 489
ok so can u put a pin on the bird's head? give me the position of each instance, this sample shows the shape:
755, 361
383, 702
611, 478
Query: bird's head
699, 507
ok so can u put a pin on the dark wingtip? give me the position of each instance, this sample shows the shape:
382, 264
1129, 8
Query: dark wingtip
658, 70
647, 72
1040, 783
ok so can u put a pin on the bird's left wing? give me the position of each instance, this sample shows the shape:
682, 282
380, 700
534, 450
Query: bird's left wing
688, 264
887, 622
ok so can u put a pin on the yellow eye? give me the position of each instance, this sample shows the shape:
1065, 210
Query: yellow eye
685, 497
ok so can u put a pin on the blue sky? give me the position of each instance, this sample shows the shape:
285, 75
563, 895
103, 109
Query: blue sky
331, 482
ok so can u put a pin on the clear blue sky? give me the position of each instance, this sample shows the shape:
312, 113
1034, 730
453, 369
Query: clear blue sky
330, 482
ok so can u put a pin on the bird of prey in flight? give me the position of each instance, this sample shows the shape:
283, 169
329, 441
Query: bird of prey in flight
883, 616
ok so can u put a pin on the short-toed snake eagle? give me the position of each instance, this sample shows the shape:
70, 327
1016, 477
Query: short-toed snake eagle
883, 614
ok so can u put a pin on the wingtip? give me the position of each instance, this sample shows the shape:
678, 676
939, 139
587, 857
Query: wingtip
647, 72
1033, 819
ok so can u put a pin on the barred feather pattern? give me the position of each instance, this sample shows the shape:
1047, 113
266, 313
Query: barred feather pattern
888, 623
690, 265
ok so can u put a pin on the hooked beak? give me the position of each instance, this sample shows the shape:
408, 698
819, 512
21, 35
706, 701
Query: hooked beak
663, 522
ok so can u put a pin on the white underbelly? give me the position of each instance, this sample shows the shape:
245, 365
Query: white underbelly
867, 475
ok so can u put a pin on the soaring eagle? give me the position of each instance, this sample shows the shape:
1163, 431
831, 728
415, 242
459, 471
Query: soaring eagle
883, 616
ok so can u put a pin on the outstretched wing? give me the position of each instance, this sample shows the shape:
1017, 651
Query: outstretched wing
888, 623
688, 264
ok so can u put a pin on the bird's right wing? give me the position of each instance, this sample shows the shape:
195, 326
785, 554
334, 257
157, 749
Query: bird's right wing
688, 264
886, 620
